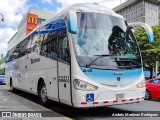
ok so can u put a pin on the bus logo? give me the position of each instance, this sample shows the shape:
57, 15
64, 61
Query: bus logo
117, 73
118, 78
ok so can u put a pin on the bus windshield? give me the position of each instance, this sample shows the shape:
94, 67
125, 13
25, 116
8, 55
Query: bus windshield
101, 42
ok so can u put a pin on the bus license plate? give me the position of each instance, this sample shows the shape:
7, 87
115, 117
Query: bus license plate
119, 96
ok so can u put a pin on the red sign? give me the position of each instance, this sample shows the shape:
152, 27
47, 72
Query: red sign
32, 21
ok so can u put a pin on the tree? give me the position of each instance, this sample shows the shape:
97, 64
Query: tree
150, 52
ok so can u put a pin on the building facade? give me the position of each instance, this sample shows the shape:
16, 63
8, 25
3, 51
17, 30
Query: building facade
30, 21
2, 65
147, 11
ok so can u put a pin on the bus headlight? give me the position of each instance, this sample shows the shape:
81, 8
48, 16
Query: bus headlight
81, 85
141, 84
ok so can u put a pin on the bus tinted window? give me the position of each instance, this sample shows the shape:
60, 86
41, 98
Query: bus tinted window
49, 46
63, 47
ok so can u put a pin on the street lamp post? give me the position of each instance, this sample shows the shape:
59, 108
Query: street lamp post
2, 20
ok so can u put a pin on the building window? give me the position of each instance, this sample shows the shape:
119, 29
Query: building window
142, 19
40, 21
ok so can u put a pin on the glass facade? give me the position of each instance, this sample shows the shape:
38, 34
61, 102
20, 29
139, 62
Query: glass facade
2, 66
141, 11
40, 21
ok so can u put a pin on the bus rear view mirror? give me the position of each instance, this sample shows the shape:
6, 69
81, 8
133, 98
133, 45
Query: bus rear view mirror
72, 22
147, 28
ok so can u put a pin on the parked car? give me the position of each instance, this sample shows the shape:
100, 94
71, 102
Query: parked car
2, 79
152, 88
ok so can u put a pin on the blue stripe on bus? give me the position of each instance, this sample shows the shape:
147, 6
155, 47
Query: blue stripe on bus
108, 76
53, 26
51, 30
10, 60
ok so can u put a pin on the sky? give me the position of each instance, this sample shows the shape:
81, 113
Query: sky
14, 10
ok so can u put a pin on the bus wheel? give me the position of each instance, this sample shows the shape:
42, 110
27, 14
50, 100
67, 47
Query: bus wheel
11, 86
42, 93
147, 95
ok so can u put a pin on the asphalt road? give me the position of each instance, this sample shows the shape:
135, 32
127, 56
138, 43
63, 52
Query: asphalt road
21, 101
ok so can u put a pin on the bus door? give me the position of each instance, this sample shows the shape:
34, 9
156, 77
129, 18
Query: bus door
21, 71
28, 52
48, 64
28, 62
20, 50
64, 68
16, 69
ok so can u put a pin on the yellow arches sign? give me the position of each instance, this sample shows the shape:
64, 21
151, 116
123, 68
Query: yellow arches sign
32, 19
32, 22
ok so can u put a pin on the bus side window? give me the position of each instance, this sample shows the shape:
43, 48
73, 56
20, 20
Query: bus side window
22, 47
19, 50
12, 54
34, 43
28, 45
63, 47
49, 48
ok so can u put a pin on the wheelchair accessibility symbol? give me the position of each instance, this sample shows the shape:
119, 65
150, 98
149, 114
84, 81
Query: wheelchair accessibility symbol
90, 97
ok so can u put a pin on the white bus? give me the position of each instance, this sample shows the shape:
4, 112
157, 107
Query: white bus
85, 56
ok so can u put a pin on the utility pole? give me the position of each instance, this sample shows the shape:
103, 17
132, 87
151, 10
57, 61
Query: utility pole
156, 70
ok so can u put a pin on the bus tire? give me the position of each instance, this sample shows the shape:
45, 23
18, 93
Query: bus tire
42, 94
147, 95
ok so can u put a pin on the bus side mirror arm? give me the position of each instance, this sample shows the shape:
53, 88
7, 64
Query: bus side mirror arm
72, 22
147, 28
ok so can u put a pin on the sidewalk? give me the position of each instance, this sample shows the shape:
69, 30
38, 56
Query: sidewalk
13, 102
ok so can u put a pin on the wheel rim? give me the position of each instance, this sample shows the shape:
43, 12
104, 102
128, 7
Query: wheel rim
147, 95
44, 93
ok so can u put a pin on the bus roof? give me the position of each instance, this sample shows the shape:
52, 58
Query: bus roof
83, 7
80, 7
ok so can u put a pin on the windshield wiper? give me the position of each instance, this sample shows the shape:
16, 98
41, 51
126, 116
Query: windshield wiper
129, 61
99, 56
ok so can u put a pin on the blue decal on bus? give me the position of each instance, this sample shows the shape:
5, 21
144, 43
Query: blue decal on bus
54, 26
110, 76
90, 97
